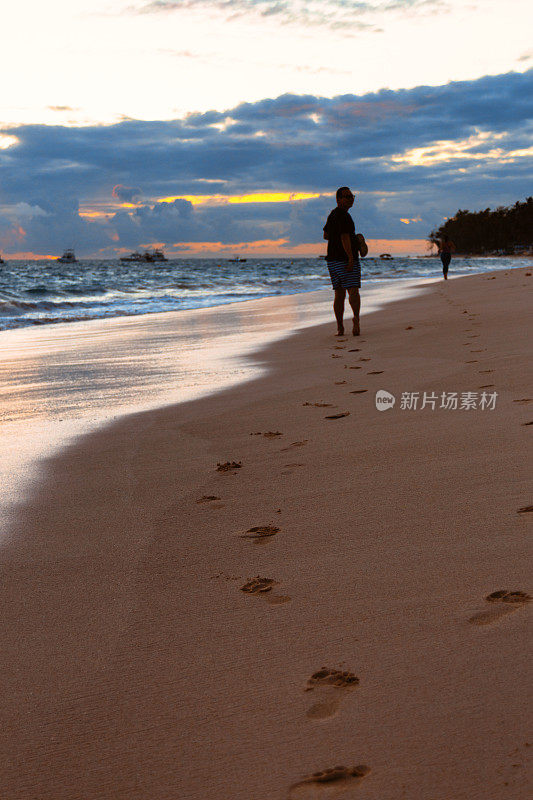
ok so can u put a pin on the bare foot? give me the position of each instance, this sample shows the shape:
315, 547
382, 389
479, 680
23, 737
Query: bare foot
340, 332
356, 329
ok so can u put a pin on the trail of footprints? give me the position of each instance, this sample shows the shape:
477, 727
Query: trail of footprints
331, 685
473, 321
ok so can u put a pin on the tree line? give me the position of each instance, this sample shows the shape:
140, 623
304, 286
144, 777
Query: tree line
504, 230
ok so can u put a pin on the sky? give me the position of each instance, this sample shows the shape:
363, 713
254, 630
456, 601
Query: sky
214, 126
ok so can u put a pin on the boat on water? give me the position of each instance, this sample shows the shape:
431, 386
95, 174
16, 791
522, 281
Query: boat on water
68, 257
146, 257
386, 256
237, 260
133, 257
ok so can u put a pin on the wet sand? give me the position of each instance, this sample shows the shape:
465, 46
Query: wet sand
280, 592
58, 382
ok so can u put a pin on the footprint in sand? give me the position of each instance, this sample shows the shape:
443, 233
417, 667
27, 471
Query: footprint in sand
523, 400
474, 361
340, 347
328, 783
339, 383
347, 367
485, 371
229, 466
289, 468
272, 434
376, 372
355, 350
358, 391
294, 444
409, 328
365, 359
338, 416
527, 423
505, 603
486, 386
207, 498
262, 587
330, 683
334, 355
525, 510
260, 532
320, 405
211, 499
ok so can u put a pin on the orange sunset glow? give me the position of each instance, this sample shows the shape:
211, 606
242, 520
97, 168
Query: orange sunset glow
103, 209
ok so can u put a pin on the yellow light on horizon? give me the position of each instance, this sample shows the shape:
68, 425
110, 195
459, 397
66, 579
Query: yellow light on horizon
273, 197
87, 214
258, 197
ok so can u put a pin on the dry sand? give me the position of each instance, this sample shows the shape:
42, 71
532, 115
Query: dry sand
135, 666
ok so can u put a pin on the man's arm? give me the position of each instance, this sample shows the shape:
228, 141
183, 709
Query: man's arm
326, 234
347, 244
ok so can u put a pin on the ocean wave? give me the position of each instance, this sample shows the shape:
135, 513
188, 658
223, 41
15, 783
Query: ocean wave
38, 293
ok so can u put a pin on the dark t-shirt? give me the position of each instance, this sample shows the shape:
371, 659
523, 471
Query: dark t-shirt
339, 222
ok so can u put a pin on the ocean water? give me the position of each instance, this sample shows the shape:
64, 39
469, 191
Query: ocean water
45, 292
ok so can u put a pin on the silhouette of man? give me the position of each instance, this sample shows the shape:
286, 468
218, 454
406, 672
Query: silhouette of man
342, 259
446, 248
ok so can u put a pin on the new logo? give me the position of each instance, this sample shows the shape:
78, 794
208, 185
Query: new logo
384, 400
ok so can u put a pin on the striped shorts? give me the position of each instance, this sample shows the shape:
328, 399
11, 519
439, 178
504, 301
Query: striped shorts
340, 279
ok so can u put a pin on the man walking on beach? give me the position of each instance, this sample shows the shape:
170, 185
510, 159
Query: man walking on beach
342, 259
446, 248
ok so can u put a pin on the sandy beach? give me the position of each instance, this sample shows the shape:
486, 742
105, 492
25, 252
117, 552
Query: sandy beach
278, 592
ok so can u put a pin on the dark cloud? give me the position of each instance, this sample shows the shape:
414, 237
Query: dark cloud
417, 153
128, 194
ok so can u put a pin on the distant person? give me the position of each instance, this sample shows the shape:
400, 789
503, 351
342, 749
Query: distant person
342, 258
446, 248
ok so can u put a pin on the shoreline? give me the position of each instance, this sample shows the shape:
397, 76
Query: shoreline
129, 649
59, 384
60, 306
